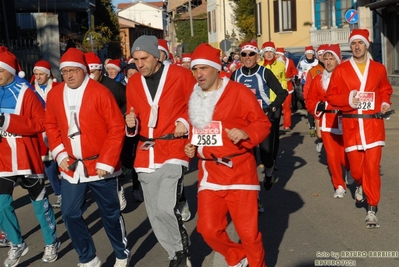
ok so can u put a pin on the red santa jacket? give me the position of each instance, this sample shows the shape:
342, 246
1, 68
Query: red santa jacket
168, 107
237, 107
360, 133
101, 126
328, 120
290, 73
19, 144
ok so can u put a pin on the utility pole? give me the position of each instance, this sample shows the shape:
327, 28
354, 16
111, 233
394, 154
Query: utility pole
191, 18
224, 23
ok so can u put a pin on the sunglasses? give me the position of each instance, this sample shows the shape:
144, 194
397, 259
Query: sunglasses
251, 54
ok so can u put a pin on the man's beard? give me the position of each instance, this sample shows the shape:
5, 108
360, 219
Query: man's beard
201, 107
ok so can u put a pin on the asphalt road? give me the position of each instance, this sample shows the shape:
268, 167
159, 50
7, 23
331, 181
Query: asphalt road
301, 225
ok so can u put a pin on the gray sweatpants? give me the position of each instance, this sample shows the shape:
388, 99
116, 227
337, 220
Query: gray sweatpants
160, 198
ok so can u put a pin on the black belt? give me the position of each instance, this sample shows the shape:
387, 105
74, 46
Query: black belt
334, 111
378, 115
73, 165
225, 159
163, 137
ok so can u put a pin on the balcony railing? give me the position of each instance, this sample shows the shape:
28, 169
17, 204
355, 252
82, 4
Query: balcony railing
330, 36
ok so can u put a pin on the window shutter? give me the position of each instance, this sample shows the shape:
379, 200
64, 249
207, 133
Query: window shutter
293, 15
276, 16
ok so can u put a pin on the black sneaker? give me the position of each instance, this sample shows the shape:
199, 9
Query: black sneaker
181, 259
268, 182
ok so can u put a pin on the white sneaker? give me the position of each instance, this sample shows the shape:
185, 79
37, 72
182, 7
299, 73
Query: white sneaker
319, 147
359, 194
184, 211
339, 192
372, 220
15, 253
51, 251
4, 242
348, 178
96, 262
242, 263
121, 263
58, 202
122, 199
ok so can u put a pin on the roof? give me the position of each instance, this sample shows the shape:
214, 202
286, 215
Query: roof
382, 4
195, 12
126, 5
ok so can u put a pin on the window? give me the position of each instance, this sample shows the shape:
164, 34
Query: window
330, 13
284, 15
214, 20
209, 22
258, 19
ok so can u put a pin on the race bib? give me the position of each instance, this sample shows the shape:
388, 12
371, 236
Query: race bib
366, 100
6, 134
210, 136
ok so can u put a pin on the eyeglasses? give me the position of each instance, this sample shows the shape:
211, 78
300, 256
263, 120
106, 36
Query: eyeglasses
71, 71
251, 54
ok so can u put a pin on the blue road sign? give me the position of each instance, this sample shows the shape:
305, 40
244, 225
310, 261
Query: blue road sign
352, 16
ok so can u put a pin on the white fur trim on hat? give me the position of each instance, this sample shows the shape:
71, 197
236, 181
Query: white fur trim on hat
160, 47
95, 66
43, 69
334, 54
111, 65
72, 64
7, 67
269, 49
361, 37
211, 63
250, 47
309, 52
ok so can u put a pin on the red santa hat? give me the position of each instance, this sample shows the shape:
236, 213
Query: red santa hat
335, 50
362, 34
186, 57
43, 66
73, 57
252, 46
280, 51
309, 50
114, 63
269, 47
93, 61
163, 46
321, 49
207, 55
9, 62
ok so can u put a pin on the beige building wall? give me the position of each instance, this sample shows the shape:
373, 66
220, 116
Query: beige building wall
294, 40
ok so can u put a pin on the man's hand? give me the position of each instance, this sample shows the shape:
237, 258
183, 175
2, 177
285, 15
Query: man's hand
385, 108
355, 100
236, 135
101, 173
180, 130
64, 164
190, 149
130, 118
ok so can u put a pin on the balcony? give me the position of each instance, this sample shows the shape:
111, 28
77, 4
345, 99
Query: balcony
331, 36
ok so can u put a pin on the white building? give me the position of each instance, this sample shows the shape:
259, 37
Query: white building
143, 13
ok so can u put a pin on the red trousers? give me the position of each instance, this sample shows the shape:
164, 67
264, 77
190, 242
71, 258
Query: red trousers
242, 205
334, 146
365, 169
287, 111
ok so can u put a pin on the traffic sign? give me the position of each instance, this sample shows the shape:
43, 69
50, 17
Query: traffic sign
225, 45
352, 16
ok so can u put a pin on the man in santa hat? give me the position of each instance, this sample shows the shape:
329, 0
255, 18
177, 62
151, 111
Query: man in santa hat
85, 130
271, 95
186, 59
118, 90
114, 71
164, 51
157, 112
304, 65
360, 88
21, 122
290, 73
43, 81
329, 119
227, 124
